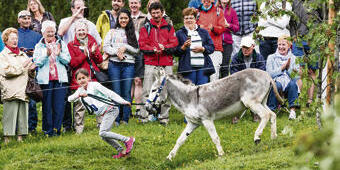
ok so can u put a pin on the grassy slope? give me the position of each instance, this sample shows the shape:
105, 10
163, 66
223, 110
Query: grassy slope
154, 142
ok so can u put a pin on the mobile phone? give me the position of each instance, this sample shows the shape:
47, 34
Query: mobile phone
189, 37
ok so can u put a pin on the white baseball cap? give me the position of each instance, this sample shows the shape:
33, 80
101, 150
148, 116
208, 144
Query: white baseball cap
247, 42
24, 13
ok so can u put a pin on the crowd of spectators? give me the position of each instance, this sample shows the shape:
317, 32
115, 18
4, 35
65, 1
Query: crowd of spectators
217, 40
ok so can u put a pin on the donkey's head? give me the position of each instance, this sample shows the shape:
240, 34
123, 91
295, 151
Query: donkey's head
157, 96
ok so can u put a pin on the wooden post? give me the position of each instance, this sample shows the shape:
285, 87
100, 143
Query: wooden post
330, 63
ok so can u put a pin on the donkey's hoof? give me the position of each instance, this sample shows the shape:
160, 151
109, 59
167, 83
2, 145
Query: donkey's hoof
257, 141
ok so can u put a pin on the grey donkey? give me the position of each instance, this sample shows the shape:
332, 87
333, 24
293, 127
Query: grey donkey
205, 103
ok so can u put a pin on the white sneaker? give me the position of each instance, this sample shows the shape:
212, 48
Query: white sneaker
292, 115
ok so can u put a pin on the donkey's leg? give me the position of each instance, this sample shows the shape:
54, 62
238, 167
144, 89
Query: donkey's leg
209, 125
272, 121
260, 110
180, 141
272, 117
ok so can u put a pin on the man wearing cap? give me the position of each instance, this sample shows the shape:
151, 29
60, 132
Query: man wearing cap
247, 57
27, 39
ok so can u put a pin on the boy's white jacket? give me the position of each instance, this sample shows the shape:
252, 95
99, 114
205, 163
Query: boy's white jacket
99, 90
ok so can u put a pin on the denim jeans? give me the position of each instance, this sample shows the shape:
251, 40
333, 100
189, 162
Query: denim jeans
197, 76
268, 47
291, 92
121, 74
32, 115
53, 107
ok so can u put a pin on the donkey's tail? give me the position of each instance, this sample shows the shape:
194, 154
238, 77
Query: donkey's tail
276, 92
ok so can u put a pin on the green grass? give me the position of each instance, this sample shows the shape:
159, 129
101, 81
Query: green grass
154, 142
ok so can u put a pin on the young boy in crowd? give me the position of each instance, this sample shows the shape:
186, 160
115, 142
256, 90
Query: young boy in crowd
108, 112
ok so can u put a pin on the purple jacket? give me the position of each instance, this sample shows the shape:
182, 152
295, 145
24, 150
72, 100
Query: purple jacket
234, 25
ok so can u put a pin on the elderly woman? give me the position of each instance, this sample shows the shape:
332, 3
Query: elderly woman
122, 46
39, 15
280, 66
52, 57
82, 47
194, 47
15, 67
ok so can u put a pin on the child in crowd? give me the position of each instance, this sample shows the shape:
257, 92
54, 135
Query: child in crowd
108, 112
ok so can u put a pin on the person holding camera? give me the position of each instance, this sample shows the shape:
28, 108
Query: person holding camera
26, 43
194, 47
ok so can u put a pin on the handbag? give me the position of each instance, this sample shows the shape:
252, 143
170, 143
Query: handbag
33, 90
100, 76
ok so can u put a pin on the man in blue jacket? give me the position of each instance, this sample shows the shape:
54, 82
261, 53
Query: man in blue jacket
26, 42
247, 57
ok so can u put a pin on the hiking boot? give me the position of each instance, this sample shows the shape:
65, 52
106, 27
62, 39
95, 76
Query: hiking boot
292, 115
129, 145
119, 155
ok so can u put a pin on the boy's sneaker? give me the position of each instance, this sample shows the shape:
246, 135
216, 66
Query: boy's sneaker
129, 144
119, 155
292, 115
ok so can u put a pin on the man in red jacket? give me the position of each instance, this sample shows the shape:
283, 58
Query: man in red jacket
212, 19
157, 41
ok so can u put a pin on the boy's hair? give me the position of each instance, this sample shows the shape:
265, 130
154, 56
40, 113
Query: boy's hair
155, 6
82, 71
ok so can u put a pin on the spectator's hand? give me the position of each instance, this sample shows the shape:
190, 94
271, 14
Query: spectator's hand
49, 51
32, 66
186, 44
28, 62
105, 56
120, 56
286, 65
58, 49
78, 12
93, 49
128, 104
161, 46
227, 25
122, 50
198, 49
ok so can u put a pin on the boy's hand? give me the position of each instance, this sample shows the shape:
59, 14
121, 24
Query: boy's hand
83, 95
128, 104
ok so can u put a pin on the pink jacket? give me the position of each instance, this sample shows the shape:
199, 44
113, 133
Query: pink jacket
231, 18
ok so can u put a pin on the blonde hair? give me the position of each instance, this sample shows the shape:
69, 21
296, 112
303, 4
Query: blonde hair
40, 6
7, 32
285, 37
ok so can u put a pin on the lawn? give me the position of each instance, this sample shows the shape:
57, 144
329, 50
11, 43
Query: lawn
154, 142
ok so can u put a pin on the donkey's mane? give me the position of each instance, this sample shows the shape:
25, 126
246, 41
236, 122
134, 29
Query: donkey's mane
181, 79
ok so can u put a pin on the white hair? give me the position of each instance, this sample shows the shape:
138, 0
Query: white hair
81, 23
140, 1
46, 24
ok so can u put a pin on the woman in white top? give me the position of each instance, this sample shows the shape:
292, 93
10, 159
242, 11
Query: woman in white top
122, 46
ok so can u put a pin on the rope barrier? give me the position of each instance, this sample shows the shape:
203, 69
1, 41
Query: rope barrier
111, 81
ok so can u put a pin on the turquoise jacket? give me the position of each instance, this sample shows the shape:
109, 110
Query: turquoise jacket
42, 61
2, 45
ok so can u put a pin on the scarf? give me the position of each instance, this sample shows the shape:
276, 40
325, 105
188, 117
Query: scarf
14, 50
83, 42
206, 9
